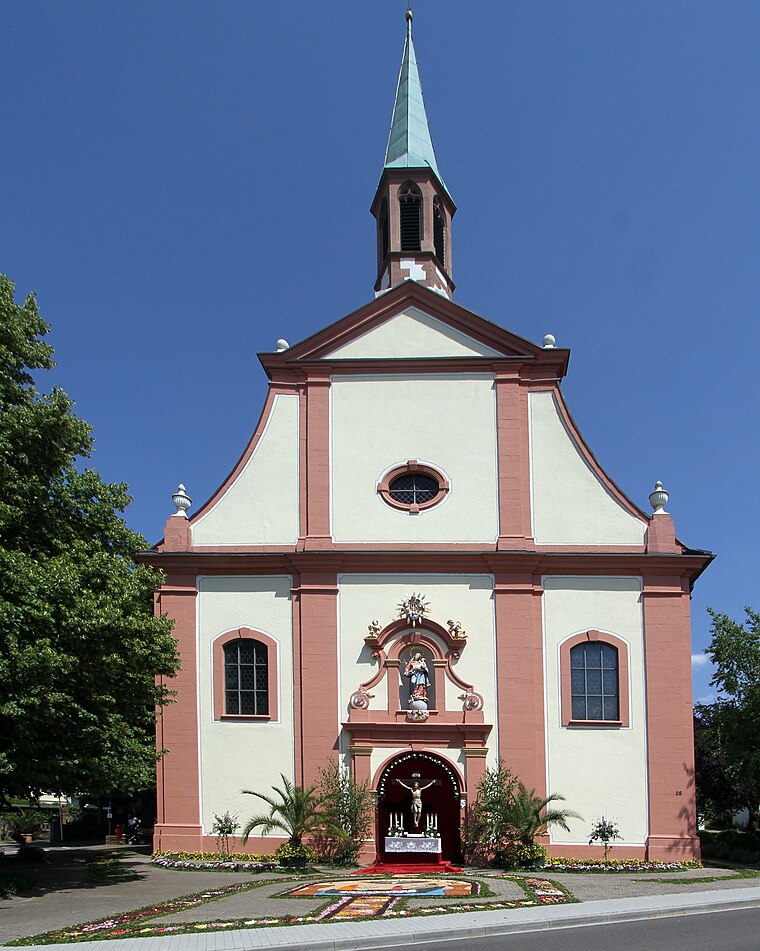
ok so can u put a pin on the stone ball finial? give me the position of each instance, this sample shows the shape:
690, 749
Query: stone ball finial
409, 14
282, 345
549, 342
182, 501
659, 499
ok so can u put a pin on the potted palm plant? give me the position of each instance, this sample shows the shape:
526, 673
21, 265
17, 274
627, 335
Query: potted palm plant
294, 811
528, 816
26, 822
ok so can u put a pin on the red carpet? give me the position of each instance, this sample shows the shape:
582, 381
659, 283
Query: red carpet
424, 868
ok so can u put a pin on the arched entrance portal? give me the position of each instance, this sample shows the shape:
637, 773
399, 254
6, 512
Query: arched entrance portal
440, 792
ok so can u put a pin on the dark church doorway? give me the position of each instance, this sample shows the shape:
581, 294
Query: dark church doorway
440, 799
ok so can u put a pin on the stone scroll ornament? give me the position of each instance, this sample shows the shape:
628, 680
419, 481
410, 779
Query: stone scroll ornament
360, 699
471, 701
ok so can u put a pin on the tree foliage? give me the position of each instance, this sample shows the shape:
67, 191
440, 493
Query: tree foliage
720, 792
726, 747
346, 812
79, 646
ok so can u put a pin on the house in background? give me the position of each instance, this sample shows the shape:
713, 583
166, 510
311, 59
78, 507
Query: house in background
418, 567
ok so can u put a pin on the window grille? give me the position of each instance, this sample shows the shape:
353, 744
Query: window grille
414, 488
246, 678
594, 681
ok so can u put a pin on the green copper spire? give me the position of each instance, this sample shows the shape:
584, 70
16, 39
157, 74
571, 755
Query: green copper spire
409, 142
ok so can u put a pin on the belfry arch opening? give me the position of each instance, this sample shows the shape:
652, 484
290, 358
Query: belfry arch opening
410, 217
383, 233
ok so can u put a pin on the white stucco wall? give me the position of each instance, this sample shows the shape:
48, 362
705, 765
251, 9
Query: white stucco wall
570, 504
245, 754
599, 771
412, 333
447, 421
465, 598
261, 505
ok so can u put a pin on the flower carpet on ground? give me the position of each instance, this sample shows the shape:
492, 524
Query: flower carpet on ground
345, 900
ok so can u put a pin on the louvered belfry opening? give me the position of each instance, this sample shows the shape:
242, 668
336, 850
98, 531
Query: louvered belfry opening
410, 215
439, 232
384, 233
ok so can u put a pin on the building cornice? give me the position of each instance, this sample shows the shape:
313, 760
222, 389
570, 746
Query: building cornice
426, 559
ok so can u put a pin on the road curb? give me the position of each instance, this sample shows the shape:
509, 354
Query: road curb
556, 920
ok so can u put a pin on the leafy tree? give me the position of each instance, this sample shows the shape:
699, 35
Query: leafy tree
346, 811
719, 792
488, 833
79, 646
727, 751
294, 811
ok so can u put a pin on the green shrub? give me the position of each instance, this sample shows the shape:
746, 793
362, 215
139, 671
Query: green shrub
731, 845
346, 815
11, 883
506, 814
519, 855
291, 855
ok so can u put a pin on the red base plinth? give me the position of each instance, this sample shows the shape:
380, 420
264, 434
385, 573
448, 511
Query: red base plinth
408, 868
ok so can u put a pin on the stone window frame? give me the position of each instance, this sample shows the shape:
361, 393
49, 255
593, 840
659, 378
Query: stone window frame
220, 642
411, 467
624, 702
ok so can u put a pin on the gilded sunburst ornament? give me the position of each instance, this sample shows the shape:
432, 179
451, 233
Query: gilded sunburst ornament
414, 608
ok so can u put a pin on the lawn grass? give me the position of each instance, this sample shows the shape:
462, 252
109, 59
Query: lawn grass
704, 879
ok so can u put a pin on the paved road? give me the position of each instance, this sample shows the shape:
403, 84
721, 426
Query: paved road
712, 931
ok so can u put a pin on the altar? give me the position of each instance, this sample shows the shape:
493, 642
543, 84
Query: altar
417, 844
414, 849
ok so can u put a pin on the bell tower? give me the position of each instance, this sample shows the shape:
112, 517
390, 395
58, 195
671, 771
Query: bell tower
412, 206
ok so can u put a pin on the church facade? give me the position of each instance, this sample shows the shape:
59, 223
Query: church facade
418, 568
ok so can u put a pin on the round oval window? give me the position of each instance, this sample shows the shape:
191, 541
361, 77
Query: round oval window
414, 488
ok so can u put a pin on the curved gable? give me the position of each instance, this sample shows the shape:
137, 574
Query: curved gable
573, 502
259, 504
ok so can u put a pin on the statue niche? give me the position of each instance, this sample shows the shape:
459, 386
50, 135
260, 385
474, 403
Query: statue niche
416, 679
418, 661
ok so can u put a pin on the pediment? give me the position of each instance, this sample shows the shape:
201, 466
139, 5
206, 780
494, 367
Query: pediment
411, 333
412, 322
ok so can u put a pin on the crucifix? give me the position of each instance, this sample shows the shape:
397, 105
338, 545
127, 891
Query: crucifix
416, 790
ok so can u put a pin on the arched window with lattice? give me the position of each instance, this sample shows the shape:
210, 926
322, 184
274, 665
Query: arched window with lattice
245, 675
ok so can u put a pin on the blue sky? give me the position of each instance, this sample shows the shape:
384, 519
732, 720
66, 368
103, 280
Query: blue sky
182, 184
